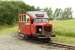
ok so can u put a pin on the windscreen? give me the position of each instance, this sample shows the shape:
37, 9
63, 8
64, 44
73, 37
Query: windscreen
38, 20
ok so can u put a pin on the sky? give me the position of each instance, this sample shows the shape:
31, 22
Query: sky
52, 4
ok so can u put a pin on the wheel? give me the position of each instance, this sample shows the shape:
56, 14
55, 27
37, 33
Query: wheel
26, 37
21, 36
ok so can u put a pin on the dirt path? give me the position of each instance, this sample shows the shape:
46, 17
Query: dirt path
9, 42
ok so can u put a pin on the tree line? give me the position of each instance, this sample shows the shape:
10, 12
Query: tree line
9, 11
59, 13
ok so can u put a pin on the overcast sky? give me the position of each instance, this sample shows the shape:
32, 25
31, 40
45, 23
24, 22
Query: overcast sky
52, 3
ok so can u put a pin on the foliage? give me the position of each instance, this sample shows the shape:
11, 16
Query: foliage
49, 12
9, 11
59, 13
38, 9
67, 14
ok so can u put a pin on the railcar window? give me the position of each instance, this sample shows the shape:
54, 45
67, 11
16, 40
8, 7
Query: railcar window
20, 18
24, 18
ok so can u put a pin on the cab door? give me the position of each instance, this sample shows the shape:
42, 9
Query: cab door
27, 25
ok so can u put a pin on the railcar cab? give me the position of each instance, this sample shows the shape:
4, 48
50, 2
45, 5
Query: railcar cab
35, 24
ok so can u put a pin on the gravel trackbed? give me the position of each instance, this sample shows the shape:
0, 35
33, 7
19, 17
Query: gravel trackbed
10, 42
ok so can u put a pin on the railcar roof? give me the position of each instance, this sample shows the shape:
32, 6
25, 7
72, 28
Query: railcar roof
33, 13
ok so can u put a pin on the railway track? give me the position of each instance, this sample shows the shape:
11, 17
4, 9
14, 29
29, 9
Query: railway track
60, 45
68, 47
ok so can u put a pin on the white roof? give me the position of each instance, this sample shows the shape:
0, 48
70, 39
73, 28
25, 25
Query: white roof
33, 13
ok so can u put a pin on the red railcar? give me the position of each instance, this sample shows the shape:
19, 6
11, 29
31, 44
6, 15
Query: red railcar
35, 24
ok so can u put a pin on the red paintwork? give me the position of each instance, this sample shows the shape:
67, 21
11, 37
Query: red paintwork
25, 28
30, 28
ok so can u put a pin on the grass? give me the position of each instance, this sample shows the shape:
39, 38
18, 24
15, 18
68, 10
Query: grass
64, 27
64, 40
65, 31
7, 29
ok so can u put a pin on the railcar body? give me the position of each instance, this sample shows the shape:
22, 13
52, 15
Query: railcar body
35, 24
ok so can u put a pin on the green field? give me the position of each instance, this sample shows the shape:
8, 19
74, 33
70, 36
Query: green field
64, 39
65, 31
64, 27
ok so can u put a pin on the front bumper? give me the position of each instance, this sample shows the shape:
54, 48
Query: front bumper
46, 35
41, 36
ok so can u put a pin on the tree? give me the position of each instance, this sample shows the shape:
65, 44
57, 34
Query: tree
38, 9
9, 11
49, 12
58, 13
67, 14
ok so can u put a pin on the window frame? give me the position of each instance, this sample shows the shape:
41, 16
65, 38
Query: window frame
25, 18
